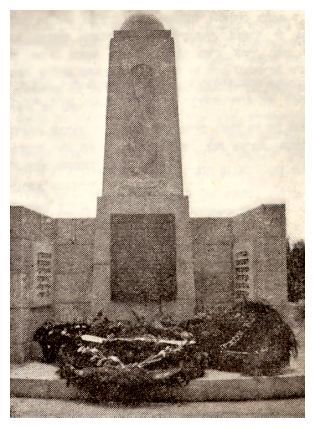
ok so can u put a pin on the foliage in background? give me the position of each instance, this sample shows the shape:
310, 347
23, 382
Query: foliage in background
296, 271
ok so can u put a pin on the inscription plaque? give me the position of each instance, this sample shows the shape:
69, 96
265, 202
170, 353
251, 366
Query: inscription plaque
143, 257
243, 283
43, 275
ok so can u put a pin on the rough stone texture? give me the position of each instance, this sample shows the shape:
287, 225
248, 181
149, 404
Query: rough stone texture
262, 230
142, 176
82, 266
73, 287
20, 284
74, 248
71, 258
142, 150
143, 257
30, 231
142, 163
41, 381
265, 228
75, 230
176, 205
72, 312
19, 332
212, 249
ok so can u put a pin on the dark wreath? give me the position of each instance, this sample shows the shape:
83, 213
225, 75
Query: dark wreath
129, 369
133, 361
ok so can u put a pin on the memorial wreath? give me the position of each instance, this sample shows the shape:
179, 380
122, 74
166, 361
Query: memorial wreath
131, 362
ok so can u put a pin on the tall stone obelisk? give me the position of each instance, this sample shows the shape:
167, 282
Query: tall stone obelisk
142, 250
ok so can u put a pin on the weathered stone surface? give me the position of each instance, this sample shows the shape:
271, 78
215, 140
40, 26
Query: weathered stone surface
41, 381
271, 269
265, 220
73, 287
142, 169
85, 230
142, 150
211, 230
71, 312
19, 320
75, 230
142, 176
19, 334
212, 250
19, 290
21, 260
143, 257
65, 231
48, 227
72, 258
31, 225
168, 204
16, 213
265, 228
30, 232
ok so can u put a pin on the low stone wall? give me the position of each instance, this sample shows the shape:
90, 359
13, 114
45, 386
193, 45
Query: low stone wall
80, 265
41, 381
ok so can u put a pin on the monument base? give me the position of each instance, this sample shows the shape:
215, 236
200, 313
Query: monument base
152, 256
37, 380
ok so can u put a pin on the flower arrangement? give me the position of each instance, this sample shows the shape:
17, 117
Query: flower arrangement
131, 361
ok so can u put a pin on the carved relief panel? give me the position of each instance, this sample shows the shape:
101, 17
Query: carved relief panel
141, 148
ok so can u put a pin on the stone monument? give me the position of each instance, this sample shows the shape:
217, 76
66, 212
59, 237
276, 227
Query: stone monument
143, 250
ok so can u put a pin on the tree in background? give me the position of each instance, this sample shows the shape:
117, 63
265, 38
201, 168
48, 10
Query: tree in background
296, 270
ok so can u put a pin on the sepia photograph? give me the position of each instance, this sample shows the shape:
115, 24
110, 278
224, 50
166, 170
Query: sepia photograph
157, 245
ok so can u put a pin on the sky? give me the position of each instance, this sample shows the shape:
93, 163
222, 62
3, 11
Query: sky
240, 82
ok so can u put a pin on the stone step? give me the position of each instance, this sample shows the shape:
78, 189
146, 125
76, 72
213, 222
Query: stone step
38, 380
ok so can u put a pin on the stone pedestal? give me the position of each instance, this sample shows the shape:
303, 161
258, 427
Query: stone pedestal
142, 250
183, 303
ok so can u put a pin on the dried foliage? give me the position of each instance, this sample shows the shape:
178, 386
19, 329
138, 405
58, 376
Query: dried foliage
250, 338
132, 361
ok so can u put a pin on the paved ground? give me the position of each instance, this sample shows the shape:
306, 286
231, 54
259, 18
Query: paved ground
37, 408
